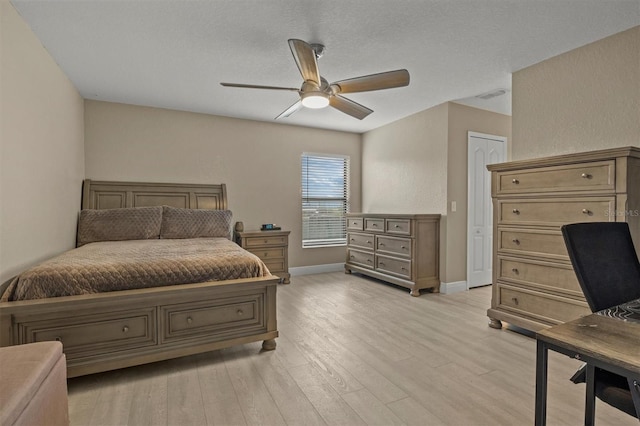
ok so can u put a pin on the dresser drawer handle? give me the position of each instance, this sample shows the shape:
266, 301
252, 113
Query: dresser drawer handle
369, 260
58, 339
586, 211
368, 242
355, 223
381, 244
516, 181
515, 300
586, 176
352, 257
353, 239
403, 247
266, 241
381, 263
125, 329
515, 270
516, 241
189, 320
266, 254
239, 312
397, 226
403, 268
375, 225
516, 211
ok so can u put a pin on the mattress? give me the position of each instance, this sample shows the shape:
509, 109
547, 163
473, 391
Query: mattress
124, 265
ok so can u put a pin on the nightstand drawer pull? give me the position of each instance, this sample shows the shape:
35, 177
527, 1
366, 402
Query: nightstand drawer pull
516, 181
586, 175
515, 300
515, 270
189, 320
516, 211
516, 241
125, 329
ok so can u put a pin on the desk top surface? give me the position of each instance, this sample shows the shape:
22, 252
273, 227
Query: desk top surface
611, 340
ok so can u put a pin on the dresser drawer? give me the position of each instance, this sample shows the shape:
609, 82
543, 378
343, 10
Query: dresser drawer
546, 276
267, 240
355, 223
394, 246
92, 334
556, 212
213, 319
547, 308
398, 226
529, 242
374, 224
595, 176
268, 253
361, 240
390, 265
361, 258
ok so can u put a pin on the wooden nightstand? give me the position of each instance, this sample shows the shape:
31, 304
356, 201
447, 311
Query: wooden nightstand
271, 247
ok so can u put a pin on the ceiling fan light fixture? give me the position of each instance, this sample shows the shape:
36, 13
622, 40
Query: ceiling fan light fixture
315, 100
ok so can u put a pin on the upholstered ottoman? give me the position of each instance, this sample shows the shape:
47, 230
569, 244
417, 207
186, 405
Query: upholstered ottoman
33, 385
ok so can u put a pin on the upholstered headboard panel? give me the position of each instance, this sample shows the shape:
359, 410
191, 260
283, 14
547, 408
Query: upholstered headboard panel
112, 195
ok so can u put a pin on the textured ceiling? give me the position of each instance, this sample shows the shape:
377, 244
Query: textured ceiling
174, 54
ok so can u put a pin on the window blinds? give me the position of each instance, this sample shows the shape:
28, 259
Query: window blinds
325, 200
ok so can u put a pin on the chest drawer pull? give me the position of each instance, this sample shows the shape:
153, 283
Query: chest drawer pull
515, 300
403, 247
375, 225
516, 211
516, 181
125, 329
515, 270
369, 260
381, 263
516, 241
587, 212
239, 312
189, 320
586, 175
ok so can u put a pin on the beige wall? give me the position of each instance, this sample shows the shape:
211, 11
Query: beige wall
582, 100
259, 162
41, 153
419, 165
463, 119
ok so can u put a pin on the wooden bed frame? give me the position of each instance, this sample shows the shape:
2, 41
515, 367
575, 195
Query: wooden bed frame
119, 329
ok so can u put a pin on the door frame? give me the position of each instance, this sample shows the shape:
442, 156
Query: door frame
504, 140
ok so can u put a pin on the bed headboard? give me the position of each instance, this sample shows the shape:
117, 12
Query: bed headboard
112, 195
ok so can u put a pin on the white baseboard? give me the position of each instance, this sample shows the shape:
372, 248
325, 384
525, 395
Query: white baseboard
316, 269
454, 287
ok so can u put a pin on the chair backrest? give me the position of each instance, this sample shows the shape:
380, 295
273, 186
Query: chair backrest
605, 262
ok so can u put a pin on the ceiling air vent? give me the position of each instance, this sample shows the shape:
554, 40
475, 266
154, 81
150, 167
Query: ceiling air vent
492, 94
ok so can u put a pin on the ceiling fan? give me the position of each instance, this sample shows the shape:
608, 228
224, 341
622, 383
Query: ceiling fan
316, 92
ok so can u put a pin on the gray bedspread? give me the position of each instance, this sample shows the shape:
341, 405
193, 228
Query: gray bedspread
123, 265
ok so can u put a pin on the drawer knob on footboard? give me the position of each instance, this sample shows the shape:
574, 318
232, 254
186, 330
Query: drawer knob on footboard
586, 175
516, 181
58, 339
189, 320
125, 329
586, 211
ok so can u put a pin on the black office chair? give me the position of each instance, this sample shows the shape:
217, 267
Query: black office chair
607, 268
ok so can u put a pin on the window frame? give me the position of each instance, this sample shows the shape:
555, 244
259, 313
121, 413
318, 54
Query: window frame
319, 197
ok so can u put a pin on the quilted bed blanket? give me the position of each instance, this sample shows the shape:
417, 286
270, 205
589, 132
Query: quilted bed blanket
123, 265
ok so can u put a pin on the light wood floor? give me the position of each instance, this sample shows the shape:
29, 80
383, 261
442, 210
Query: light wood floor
351, 351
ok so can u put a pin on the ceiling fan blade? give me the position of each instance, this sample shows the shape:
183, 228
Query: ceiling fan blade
255, 86
305, 59
367, 83
349, 107
287, 112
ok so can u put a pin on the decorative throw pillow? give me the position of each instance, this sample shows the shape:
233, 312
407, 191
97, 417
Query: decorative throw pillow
195, 223
135, 223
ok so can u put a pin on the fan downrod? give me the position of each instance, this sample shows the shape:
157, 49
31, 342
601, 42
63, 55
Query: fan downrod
318, 49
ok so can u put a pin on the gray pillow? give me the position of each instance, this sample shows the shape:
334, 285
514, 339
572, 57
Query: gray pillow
135, 223
195, 223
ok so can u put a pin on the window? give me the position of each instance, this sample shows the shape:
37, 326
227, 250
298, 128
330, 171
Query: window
325, 200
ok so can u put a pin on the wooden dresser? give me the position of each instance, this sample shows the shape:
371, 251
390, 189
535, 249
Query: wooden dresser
534, 285
400, 249
271, 247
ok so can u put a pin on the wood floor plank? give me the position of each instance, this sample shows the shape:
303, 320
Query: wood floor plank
413, 414
184, 393
371, 409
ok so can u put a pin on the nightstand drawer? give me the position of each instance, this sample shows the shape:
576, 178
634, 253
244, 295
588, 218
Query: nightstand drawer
394, 246
267, 240
268, 253
275, 265
360, 240
596, 176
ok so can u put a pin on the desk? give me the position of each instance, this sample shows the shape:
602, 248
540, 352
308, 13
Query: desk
608, 343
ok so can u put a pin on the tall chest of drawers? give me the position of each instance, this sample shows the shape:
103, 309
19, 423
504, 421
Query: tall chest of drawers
400, 249
534, 285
